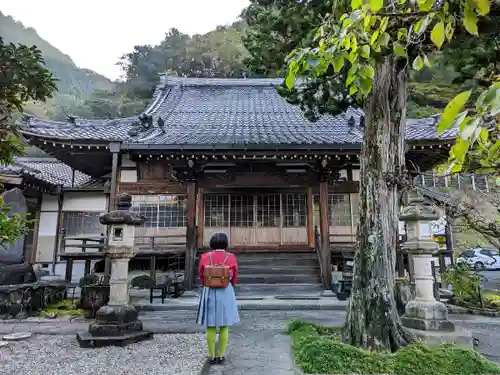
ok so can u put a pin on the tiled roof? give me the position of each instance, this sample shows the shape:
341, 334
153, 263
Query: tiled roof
48, 170
229, 112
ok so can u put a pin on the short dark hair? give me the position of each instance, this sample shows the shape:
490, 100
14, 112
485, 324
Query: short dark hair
219, 241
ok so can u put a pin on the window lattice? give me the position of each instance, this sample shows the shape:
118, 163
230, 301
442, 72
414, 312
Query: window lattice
294, 208
242, 211
339, 210
269, 211
81, 223
161, 211
216, 210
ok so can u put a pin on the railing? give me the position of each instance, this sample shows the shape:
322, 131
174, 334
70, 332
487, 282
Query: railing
165, 243
457, 181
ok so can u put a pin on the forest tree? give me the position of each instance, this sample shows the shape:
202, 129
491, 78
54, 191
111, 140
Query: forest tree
23, 77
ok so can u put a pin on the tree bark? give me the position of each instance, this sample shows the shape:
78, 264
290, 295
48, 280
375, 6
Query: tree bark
372, 320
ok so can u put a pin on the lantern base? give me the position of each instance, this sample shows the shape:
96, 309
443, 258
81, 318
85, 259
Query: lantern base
427, 316
114, 325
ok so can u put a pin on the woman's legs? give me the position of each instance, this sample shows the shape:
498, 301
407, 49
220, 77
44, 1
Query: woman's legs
211, 335
223, 340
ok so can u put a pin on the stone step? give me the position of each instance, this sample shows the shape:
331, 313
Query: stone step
260, 289
279, 279
259, 269
277, 262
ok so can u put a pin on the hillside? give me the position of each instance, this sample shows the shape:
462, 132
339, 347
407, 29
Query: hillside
74, 84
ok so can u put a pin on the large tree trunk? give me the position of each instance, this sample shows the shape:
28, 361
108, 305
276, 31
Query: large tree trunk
372, 318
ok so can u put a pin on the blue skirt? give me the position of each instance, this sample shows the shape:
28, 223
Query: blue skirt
217, 307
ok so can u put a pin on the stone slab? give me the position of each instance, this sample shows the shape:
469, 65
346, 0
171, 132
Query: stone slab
86, 340
17, 336
271, 304
433, 338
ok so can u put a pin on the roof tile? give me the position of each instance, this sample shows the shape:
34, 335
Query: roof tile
199, 111
48, 170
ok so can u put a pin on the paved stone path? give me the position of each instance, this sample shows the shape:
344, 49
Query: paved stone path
258, 345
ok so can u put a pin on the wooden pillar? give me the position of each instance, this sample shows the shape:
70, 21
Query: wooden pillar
310, 217
114, 147
189, 274
324, 228
57, 242
31, 258
114, 180
200, 216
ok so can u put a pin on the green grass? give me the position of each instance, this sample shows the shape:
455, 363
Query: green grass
61, 308
317, 350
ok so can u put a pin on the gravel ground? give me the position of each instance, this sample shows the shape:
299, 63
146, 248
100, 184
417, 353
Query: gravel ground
61, 355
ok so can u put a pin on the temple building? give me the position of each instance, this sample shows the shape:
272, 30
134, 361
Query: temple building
211, 155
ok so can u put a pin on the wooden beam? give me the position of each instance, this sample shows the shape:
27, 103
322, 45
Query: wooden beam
114, 180
325, 235
189, 274
9, 179
310, 217
36, 228
201, 216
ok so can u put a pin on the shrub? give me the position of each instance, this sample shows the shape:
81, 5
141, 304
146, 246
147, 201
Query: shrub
318, 350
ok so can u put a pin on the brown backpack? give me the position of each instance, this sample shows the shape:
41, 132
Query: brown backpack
216, 275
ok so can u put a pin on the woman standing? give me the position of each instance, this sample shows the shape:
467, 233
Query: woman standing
217, 307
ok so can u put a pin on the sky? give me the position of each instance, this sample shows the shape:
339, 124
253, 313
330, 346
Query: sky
95, 33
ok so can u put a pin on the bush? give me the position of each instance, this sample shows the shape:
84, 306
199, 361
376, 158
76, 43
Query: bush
465, 284
318, 350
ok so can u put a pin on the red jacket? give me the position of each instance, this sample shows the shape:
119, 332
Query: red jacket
217, 258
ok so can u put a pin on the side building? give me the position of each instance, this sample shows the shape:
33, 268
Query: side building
229, 155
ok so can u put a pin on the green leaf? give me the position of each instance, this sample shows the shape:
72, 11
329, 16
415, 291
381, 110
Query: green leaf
469, 129
365, 51
451, 111
449, 31
338, 63
427, 63
470, 21
425, 5
369, 72
418, 63
376, 5
484, 135
483, 7
353, 90
437, 34
374, 38
366, 85
351, 76
399, 50
355, 4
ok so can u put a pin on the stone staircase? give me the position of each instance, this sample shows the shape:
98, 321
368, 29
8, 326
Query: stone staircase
283, 273
278, 274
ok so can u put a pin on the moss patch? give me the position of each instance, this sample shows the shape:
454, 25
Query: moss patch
61, 308
317, 350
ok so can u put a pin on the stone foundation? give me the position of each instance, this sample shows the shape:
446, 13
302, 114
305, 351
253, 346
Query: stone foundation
114, 325
18, 301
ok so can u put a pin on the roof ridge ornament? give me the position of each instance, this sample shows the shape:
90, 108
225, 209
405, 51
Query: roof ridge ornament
143, 123
71, 119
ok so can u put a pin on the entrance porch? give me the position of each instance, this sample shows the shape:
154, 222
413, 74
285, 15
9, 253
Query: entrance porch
269, 220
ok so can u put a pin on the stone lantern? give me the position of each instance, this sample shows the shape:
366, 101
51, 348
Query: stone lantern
117, 323
426, 317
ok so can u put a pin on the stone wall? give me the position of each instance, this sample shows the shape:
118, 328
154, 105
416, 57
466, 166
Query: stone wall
21, 300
